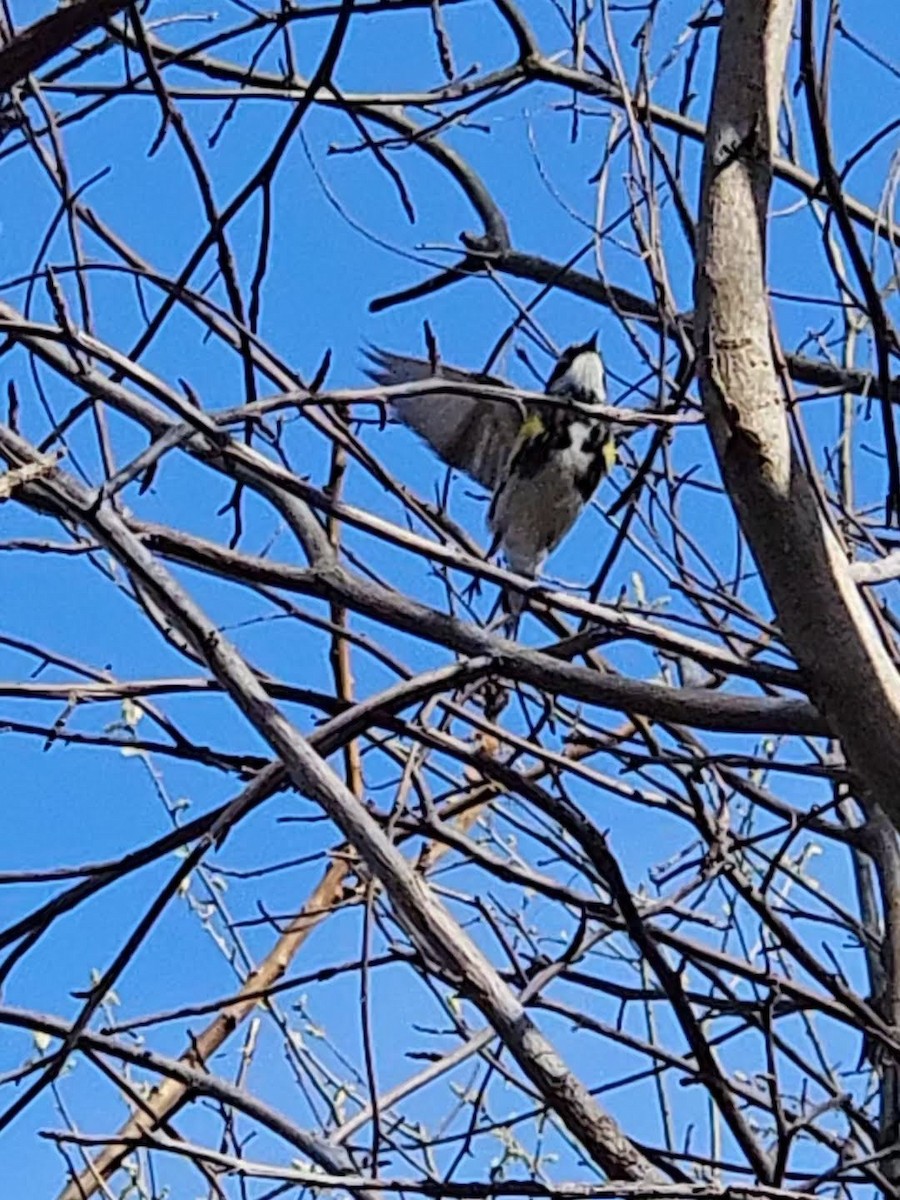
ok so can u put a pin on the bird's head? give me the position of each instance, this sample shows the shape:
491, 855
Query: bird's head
578, 374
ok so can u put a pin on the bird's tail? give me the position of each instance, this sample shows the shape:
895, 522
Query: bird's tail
507, 612
512, 604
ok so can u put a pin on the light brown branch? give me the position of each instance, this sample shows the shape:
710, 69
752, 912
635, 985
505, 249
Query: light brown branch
825, 620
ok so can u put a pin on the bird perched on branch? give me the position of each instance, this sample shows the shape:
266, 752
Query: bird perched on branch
541, 463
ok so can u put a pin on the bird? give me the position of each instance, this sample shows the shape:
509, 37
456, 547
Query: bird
541, 464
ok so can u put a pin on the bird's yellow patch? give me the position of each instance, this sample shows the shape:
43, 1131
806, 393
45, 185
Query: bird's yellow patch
609, 454
531, 427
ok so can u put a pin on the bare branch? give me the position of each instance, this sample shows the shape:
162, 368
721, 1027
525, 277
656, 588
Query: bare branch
826, 622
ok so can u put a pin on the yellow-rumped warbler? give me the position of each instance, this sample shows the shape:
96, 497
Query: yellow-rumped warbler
542, 469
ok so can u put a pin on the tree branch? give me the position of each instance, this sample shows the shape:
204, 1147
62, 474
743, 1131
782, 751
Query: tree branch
29, 50
825, 620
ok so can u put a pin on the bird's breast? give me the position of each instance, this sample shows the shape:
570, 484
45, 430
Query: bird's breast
584, 460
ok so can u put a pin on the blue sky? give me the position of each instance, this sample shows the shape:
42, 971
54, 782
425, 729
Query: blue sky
73, 805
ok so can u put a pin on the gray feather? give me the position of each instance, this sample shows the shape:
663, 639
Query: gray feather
473, 434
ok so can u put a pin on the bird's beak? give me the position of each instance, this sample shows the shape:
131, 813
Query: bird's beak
591, 343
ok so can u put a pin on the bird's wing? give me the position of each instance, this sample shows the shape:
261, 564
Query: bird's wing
468, 431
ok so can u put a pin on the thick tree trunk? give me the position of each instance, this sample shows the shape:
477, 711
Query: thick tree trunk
850, 673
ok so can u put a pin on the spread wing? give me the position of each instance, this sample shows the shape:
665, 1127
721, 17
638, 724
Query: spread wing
468, 431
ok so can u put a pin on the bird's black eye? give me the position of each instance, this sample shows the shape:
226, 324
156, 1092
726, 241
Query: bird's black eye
556, 373
563, 363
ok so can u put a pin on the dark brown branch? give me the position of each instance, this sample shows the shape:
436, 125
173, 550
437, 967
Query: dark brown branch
31, 49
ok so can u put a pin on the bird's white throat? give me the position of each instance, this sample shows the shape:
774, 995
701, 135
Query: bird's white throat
583, 378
